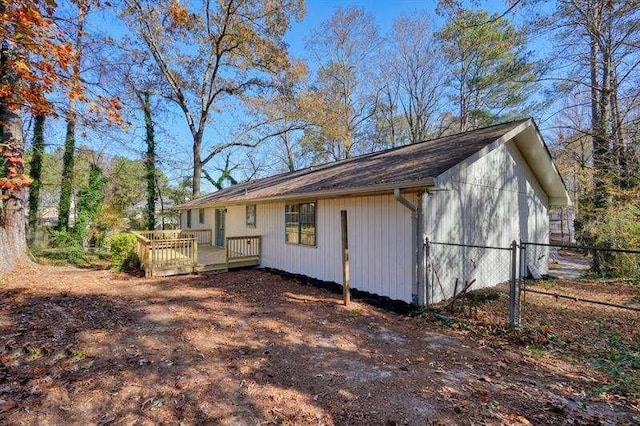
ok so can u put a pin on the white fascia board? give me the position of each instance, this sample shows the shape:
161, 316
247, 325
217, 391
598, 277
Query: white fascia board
387, 188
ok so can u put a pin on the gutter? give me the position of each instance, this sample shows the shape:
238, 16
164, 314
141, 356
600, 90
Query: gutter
384, 188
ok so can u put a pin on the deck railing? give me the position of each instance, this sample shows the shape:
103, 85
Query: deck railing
204, 236
242, 248
142, 251
176, 251
170, 252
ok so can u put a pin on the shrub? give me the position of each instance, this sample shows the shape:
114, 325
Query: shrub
123, 256
64, 239
62, 256
618, 228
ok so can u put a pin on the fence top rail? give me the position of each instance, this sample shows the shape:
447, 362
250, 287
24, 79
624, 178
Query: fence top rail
248, 237
577, 247
582, 299
173, 240
160, 232
467, 245
141, 237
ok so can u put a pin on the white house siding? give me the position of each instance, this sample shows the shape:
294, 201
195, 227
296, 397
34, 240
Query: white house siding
379, 242
209, 219
489, 201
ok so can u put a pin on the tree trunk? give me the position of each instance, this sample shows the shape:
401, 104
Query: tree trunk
66, 185
158, 188
627, 174
197, 164
13, 210
602, 138
36, 173
595, 87
150, 163
291, 165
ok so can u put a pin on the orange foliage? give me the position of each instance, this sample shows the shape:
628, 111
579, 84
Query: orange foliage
179, 16
36, 54
35, 60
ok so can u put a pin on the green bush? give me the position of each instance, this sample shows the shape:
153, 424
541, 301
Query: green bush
64, 239
62, 256
618, 228
123, 256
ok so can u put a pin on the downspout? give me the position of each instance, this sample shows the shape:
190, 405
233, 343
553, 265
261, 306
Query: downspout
423, 289
417, 228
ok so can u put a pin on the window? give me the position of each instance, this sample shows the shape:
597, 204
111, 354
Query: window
300, 223
251, 216
188, 219
200, 216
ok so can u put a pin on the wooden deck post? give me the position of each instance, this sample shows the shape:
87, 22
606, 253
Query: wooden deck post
346, 278
194, 263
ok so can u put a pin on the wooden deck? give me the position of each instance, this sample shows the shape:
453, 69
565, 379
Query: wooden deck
214, 259
164, 253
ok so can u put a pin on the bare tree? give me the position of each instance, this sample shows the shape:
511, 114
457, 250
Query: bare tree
344, 48
222, 48
415, 68
597, 63
282, 117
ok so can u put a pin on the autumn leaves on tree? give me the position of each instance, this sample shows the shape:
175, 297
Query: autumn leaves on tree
33, 62
36, 60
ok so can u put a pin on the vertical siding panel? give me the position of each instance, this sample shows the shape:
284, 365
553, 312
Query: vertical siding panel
355, 222
360, 258
380, 286
492, 201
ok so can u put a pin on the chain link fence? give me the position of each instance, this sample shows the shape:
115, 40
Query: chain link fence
464, 274
579, 301
599, 276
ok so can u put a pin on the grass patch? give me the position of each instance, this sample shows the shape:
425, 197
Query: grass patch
548, 284
71, 256
534, 351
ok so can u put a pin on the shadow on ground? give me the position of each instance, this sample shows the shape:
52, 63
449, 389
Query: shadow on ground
251, 347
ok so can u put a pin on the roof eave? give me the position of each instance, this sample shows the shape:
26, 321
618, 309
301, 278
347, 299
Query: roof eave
536, 153
387, 188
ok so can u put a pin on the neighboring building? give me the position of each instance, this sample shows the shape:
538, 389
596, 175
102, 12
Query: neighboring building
561, 224
165, 214
485, 187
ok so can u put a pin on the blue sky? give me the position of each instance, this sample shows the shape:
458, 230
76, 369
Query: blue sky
175, 139
385, 11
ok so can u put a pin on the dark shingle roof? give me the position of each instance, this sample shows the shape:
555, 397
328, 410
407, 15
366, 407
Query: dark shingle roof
411, 163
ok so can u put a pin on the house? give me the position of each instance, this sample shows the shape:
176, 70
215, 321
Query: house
483, 187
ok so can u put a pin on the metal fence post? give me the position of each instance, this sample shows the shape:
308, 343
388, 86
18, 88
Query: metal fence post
522, 273
512, 285
427, 267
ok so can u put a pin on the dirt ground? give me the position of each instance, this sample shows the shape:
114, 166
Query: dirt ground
250, 347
